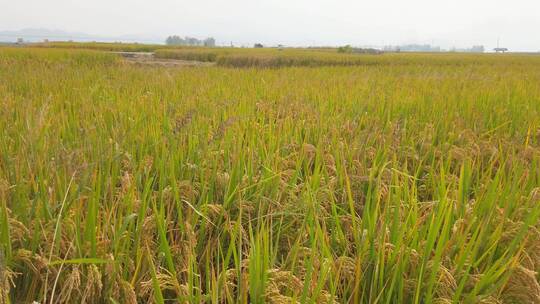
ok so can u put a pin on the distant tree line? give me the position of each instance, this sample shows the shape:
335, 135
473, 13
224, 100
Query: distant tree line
412, 48
177, 40
354, 50
430, 48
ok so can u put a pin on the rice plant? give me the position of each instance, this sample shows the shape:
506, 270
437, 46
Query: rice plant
412, 179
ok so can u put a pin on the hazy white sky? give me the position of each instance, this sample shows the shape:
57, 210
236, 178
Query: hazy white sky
447, 23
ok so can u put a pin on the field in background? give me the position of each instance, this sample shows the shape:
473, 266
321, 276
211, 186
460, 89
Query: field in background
397, 179
287, 57
103, 46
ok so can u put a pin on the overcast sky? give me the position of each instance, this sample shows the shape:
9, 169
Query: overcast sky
459, 23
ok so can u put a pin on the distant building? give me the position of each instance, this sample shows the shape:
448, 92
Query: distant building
500, 50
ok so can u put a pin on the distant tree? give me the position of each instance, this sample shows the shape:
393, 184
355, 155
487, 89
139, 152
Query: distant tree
350, 50
345, 49
210, 42
478, 49
175, 40
258, 45
192, 41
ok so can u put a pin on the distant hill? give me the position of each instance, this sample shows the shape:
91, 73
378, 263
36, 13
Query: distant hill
40, 34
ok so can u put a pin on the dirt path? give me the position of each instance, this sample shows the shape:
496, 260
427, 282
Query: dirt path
148, 58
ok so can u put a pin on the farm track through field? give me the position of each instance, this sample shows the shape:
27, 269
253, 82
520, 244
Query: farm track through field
148, 58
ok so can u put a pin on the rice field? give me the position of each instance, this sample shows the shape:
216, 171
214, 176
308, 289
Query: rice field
302, 57
104, 46
399, 178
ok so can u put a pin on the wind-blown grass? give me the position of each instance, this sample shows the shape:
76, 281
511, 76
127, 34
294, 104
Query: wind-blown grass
384, 183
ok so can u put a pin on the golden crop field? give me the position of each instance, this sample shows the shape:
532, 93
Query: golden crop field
103, 46
337, 178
